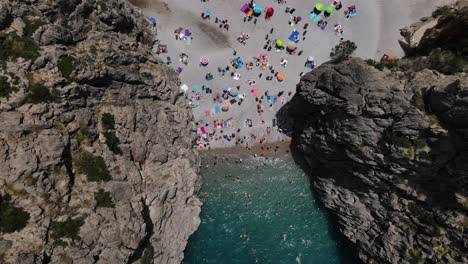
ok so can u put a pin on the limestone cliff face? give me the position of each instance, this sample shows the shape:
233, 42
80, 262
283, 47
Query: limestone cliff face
389, 154
96, 159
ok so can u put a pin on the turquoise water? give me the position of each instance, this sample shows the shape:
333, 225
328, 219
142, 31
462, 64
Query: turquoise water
260, 212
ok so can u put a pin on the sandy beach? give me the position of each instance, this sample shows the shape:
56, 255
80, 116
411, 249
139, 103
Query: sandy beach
375, 30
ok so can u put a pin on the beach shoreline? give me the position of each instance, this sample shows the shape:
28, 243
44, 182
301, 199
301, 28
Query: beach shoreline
270, 149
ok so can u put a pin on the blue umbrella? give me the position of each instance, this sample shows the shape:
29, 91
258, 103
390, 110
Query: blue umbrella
257, 9
152, 20
234, 92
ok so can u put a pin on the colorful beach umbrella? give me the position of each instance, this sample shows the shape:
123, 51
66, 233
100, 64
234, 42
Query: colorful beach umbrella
319, 7
291, 46
270, 11
234, 92
152, 20
257, 9
329, 9
225, 106
279, 43
280, 76
204, 60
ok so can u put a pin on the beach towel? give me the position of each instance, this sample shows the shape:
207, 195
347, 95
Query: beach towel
203, 130
217, 109
294, 36
271, 98
195, 87
196, 107
315, 17
249, 12
244, 8
254, 92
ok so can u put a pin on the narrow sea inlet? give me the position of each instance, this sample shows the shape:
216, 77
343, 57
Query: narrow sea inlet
261, 211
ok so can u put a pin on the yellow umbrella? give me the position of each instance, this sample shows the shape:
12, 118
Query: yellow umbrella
279, 43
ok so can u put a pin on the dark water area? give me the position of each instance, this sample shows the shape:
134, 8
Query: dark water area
261, 211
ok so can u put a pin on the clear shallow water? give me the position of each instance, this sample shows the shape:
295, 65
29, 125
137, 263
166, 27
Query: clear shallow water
248, 208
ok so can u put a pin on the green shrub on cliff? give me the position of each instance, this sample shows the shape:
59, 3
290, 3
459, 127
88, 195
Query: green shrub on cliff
94, 167
67, 229
112, 142
394, 138
30, 26
147, 257
446, 62
66, 65
441, 11
108, 121
103, 199
12, 218
342, 51
5, 87
38, 93
13, 46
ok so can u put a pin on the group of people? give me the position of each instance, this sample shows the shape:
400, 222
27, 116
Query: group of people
250, 129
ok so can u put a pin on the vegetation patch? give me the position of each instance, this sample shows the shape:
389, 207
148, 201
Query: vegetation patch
13, 46
104, 199
394, 138
108, 124
440, 250
434, 120
382, 64
420, 143
416, 256
424, 155
108, 121
147, 257
446, 62
12, 218
66, 65
67, 229
92, 49
102, 5
83, 135
38, 93
342, 51
441, 11
5, 87
32, 26
113, 142
94, 167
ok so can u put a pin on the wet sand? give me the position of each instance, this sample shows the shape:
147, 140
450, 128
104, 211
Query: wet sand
274, 149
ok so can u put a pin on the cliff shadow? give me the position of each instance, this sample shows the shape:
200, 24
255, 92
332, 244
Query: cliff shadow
286, 125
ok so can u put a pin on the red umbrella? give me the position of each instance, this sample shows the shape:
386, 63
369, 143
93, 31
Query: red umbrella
270, 11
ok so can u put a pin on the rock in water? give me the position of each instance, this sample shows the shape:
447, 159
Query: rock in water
389, 152
96, 142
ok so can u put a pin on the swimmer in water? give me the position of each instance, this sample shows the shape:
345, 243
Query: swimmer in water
285, 236
298, 258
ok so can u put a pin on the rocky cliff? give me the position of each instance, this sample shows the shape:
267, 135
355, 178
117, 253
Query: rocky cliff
96, 143
388, 147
